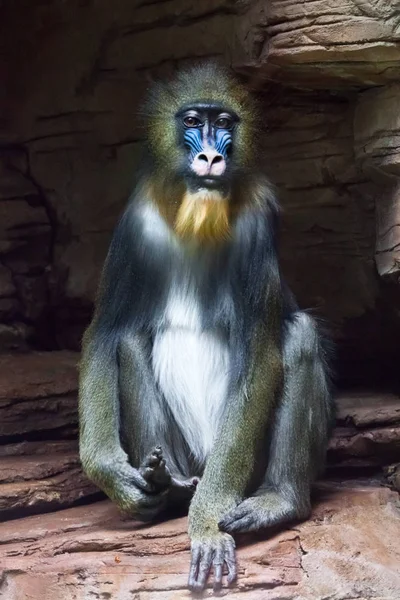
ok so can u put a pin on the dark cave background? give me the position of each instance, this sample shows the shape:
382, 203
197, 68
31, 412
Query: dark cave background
75, 75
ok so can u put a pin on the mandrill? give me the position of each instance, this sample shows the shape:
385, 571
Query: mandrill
201, 380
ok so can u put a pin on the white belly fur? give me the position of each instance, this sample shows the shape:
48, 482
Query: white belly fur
191, 367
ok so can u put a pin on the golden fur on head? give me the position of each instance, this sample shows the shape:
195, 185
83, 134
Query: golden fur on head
203, 216
208, 82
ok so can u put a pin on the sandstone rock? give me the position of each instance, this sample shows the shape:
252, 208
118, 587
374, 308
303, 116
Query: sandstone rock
367, 432
328, 226
36, 484
379, 445
41, 476
25, 242
348, 536
88, 550
39, 448
387, 255
376, 142
367, 409
322, 44
377, 130
38, 391
38, 397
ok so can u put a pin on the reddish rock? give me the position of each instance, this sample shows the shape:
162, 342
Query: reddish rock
383, 443
41, 483
323, 44
38, 391
89, 551
365, 408
26, 448
368, 431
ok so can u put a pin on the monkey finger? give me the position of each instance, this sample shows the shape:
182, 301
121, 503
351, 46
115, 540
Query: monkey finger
140, 482
194, 566
154, 499
184, 487
230, 560
246, 523
153, 458
147, 472
205, 565
164, 470
233, 515
218, 566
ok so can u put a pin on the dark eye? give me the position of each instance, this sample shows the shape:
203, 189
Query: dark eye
223, 123
191, 122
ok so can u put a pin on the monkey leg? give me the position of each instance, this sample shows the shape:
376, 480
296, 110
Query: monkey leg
146, 427
299, 435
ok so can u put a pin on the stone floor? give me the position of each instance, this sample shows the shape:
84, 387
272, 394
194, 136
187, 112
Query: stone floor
349, 549
58, 541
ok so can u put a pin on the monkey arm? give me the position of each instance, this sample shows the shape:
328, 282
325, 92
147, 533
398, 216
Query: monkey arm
302, 424
232, 460
102, 456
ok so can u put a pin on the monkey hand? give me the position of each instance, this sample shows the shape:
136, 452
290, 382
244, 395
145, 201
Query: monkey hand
134, 502
212, 551
126, 486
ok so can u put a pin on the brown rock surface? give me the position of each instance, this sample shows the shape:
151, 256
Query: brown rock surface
348, 549
38, 392
364, 408
88, 551
377, 151
368, 430
323, 43
41, 483
38, 401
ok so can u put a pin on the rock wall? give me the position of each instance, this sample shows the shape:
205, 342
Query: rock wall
70, 139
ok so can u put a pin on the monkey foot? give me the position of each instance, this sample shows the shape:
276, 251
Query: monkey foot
181, 491
154, 469
257, 513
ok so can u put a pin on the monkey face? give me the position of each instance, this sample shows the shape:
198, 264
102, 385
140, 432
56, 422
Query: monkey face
206, 135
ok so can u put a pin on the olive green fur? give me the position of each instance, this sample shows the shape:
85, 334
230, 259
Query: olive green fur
119, 394
230, 466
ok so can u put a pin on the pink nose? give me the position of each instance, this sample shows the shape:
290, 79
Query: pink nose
208, 162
